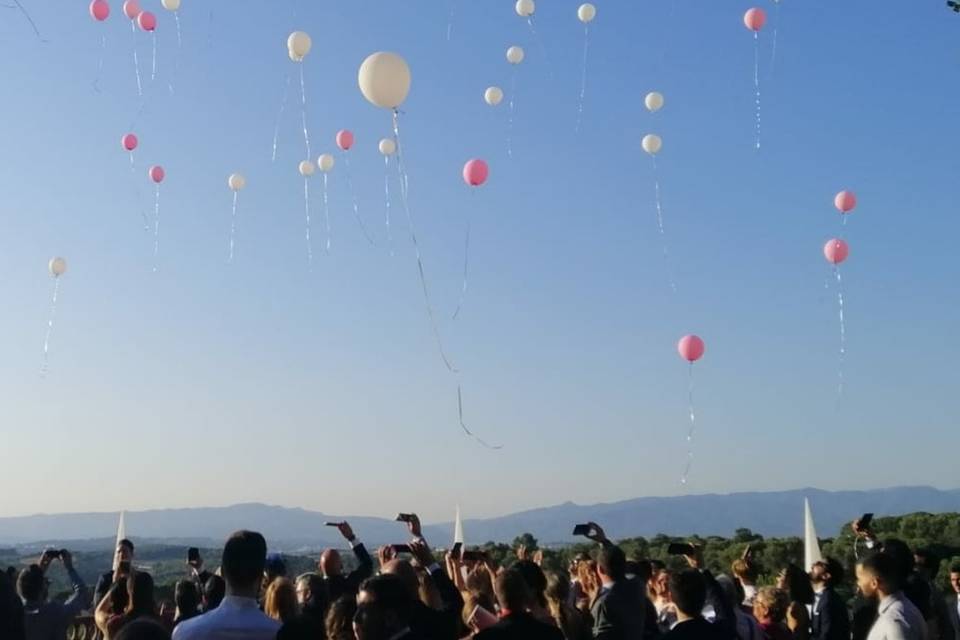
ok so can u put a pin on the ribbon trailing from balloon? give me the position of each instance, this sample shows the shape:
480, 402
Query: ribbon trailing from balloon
306, 170
466, 430
276, 128
236, 182
33, 24
326, 211
776, 27
131, 9
386, 193
652, 144
836, 251
466, 259
691, 348
345, 140
754, 20
475, 174
453, 10
156, 173
303, 111
129, 142
585, 14
57, 267
100, 11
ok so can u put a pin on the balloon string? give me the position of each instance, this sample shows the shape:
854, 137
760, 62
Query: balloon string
306, 208
404, 199
276, 128
303, 110
466, 259
176, 18
103, 50
513, 91
843, 332
326, 210
30, 20
756, 81
583, 78
46, 340
453, 9
543, 49
139, 195
136, 59
464, 426
176, 58
233, 224
386, 193
691, 430
663, 233
776, 26
153, 70
356, 203
156, 230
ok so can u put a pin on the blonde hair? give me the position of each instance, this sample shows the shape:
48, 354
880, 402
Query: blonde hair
280, 602
775, 600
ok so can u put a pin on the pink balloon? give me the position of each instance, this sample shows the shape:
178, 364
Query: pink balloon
836, 251
345, 139
147, 21
157, 173
691, 348
131, 9
845, 201
99, 10
475, 172
129, 142
754, 18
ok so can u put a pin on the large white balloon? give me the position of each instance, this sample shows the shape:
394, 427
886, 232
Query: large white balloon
57, 266
586, 13
654, 101
384, 79
325, 162
388, 147
525, 8
652, 143
170, 5
298, 45
515, 55
493, 96
236, 182
307, 168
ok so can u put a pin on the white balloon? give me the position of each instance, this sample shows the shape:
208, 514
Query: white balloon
388, 147
298, 45
307, 168
325, 162
586, 13
236, 182
170, 5
525, 8
515, 55
493, 96
384, 79
654, 101
652, 143
57, 266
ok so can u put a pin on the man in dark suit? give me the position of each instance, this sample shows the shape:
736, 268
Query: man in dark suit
618, 610
331, 567
953, 601
122, 561
515, 623
688, 591
384, 610
830, 620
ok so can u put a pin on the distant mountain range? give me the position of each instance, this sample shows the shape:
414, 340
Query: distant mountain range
777, 513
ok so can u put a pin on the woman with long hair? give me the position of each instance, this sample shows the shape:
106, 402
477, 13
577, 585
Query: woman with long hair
570, 621
795, 582
140, 604
339, 620
280, 601
187, 598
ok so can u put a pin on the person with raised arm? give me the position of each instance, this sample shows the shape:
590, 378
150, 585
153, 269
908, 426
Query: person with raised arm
331, 566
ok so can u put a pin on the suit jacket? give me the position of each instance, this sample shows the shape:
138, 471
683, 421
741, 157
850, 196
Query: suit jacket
829, 620
520, 626
697, 629
953, 616
618, 612
349, 585
442, 623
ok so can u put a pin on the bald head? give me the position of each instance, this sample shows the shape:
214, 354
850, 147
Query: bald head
330, 563
405, 571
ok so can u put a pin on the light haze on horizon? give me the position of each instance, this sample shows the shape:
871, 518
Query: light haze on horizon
210, 384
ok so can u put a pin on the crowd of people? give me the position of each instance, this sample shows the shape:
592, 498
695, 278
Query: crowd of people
413, 596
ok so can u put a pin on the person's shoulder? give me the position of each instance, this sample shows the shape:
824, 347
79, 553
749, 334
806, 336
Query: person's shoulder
194, 627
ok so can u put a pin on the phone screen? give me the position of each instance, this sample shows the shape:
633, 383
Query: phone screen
581, 530
455, 551
401, 548
865, 520
193, 554
680, 549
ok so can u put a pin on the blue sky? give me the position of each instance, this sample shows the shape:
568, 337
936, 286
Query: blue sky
207, 383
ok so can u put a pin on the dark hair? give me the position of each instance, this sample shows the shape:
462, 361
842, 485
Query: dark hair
339, 620
899, 552
535, 579
656, 566
612, 562
928, 559
390, 593
126, 543
885, 568
187, 598
244, 556
642, 570
275, 566
213, 592
140, 589
798, 584
319, 598
512, 589
835, 568
143, 629
30, 583
370, 622
955, 567
688, 591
